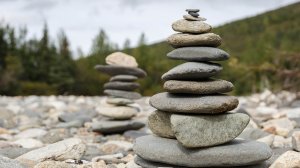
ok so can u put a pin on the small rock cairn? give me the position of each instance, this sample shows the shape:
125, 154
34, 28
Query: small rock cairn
192, 123
120, 89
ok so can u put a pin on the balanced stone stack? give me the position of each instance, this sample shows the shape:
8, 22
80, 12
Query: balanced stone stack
120, 89
192, 124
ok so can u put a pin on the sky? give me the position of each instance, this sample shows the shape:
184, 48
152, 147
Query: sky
122, 19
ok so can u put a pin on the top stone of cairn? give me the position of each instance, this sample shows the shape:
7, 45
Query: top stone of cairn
121, 59
193, 15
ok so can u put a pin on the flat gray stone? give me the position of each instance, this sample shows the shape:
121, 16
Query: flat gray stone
118, 101
127, 86
198, 54
148, 164
209, 86
192, 70
192, 18
195, 14
160, 124
113, 127
193, 10
235, 153
188, 40
123, 78
121, 70
194, 131
185, 26
194, 104
123, 94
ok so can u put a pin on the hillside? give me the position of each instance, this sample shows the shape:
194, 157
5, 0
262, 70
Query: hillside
264, 52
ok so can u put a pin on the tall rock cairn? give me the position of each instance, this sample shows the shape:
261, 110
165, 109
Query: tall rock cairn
192, 124
121, 87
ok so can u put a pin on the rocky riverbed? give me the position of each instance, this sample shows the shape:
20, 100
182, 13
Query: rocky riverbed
69, 131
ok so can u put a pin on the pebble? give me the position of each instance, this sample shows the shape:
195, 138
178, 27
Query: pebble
194, 14
113, 70
70, 124
245, 152
198, 54
123, 78
160, 124
123, 94
280, 126
72, 148
192, 71
13, 152
29, 143
289, 159
55, 135
121, 59
31, 133
111, 127
118, 112
296, 141
209, 86
189, 40
10, 163
207, 130
127, 86
194, 27
192, 18
194, 104
119, 101
113, 147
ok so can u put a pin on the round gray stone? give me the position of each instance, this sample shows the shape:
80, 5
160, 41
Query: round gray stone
118, 101
209, 86
235, 153
185, 26
122, 94
123, 78
121, 70
195, 14
160, 124
194, 131
192, 70
198, 54
189, 40
127, 86
194, 104
192, 18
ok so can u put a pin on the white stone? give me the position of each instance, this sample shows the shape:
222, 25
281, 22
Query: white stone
280, 126
296, 141
72, 148
122, 59
31, 133
281, 142
29, 143
289, 159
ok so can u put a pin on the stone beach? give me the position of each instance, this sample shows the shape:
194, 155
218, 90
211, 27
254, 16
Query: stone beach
37, 117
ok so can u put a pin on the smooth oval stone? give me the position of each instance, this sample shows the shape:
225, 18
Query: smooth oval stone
128, 86
188, 40
192, 70
209, 86
185, 26
120, 70
192, 18
113, 127
123, 78
197, 104
193, 10
234, 153
118, 101
149, 164
160, 124
122, 59
198, 54
122, 94
118, 112
194, 131
195, 14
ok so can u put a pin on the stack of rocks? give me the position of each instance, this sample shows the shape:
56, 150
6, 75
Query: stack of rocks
192, 125
120, 89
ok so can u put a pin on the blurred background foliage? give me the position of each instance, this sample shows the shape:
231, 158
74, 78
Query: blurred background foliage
265, 53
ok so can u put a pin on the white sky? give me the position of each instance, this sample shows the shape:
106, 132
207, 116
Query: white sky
121, 19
